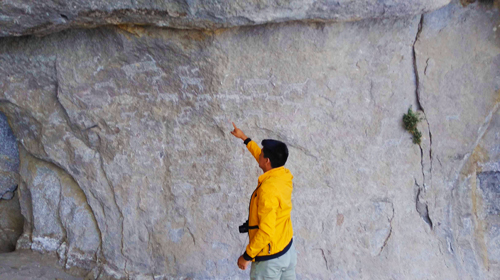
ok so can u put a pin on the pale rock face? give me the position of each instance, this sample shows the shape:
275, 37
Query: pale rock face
43, 17
58, 218
136, 122
458, 65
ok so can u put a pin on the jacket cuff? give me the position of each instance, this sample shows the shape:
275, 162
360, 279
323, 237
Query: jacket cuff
247, 141
247, 257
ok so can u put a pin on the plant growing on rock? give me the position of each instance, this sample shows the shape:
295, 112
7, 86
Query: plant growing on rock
410, 122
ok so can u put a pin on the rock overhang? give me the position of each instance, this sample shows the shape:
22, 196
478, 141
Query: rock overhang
18, 18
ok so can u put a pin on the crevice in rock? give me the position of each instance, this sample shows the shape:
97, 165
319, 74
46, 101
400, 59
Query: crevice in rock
99, 274
95, 220
415, 70
90, 127
192, 235
289, 143
59, 219
422, 165
390, 231
80, 136
122, 220
450, 246
74, 129
426, 66
420, 106
386, 239
8, 194
430, 150
324, 257
303, 150
421, 207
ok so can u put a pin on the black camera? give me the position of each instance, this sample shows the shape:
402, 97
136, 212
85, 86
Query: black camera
244, 227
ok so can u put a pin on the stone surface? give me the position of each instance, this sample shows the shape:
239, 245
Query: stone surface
22, 265
458, 61
138, 119
21, 17
11, 224
58, 218
474, 211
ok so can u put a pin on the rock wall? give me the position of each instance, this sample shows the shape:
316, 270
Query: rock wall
126, 129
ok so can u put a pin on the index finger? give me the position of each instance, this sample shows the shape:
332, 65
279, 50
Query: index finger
234, 125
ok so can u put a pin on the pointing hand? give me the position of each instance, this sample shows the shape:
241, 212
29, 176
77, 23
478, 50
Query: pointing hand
238, 133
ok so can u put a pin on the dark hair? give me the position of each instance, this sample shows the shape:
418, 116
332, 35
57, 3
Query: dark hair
276, 151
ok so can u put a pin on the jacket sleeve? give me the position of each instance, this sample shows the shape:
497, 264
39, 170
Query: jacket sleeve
254, 149
267, 206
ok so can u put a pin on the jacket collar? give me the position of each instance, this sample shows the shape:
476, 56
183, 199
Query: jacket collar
271, 173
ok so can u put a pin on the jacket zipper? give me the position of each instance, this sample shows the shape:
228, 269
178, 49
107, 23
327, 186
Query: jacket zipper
269, 248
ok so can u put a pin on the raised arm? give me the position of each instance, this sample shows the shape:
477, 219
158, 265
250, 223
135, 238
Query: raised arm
251, 145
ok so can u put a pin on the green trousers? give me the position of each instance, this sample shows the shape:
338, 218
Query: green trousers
282, 268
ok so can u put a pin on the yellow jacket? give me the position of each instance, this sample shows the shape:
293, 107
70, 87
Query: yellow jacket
269, 222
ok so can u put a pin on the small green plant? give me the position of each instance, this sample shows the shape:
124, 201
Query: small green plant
410, 121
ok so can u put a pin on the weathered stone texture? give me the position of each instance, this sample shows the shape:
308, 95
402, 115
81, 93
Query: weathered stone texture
458, 61
43, 17
138, 119
58, 218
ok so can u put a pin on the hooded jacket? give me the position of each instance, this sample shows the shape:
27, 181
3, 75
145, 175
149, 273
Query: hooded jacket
269, 222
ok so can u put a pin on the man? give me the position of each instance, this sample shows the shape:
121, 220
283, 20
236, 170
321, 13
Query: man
270, 249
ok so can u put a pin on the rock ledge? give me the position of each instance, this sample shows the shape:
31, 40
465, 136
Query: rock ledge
19, 18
